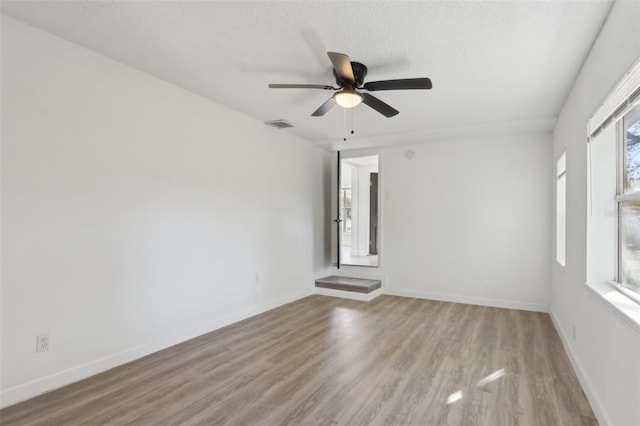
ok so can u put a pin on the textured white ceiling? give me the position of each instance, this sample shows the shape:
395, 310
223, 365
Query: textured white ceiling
493, 64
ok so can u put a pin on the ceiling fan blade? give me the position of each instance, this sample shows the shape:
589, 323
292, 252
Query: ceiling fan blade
402, 84
378, 105
342, 65
301, 86
324, 108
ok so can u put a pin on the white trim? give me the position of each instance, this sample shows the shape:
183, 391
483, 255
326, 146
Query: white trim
33, 388
627, 197
630, 293
617, 98
587, 387
363, 297
482, 301
561, 209
561, 164
589, 179
622, 306
493, 130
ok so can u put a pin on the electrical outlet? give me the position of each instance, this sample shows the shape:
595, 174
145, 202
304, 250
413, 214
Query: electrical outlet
42, 343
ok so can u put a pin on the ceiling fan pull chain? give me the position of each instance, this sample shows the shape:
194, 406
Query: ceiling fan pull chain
344, 124
352, 112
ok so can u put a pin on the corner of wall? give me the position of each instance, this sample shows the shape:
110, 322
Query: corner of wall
587, 386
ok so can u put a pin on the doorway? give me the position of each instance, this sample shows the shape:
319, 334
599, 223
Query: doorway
358, 209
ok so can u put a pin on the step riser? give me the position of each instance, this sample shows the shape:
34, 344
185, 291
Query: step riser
348, 287
362, 297
349, 284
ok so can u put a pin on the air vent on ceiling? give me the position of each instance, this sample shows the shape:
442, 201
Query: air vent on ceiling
278, 124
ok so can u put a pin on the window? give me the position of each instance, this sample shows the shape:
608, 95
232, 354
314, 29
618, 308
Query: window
561, 207
346, 209
613, 216
628, 199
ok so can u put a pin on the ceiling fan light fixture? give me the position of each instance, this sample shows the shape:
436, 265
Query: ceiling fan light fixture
348, 98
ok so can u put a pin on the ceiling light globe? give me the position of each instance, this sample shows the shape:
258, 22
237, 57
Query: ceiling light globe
348, 98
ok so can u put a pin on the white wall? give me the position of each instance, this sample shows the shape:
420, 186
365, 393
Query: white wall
467, 221
126, 226
606, 349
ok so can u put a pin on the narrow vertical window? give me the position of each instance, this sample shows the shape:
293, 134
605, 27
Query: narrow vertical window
561, 208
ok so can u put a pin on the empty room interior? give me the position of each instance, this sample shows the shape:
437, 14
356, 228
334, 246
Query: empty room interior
320, 213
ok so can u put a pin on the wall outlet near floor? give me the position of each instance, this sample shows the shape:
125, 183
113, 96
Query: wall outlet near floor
42, 343
573, 332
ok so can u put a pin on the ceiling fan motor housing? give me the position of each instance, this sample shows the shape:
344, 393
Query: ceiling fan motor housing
359, 73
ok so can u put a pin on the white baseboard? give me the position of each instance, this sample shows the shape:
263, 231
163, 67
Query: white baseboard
587, 387
496, 303
363, 297
28, 390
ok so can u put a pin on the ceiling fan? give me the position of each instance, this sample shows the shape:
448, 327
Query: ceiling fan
350, 78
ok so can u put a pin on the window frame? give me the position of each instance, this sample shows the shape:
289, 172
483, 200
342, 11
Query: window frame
561, 176
620, 198
602, 272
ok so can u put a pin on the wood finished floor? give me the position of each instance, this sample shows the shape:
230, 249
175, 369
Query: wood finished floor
329, 361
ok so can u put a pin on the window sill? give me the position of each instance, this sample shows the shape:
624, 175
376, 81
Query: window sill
616, 302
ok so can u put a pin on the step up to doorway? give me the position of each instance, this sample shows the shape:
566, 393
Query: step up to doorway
348, 287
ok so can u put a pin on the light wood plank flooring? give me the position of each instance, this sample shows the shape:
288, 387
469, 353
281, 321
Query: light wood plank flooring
329, 361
